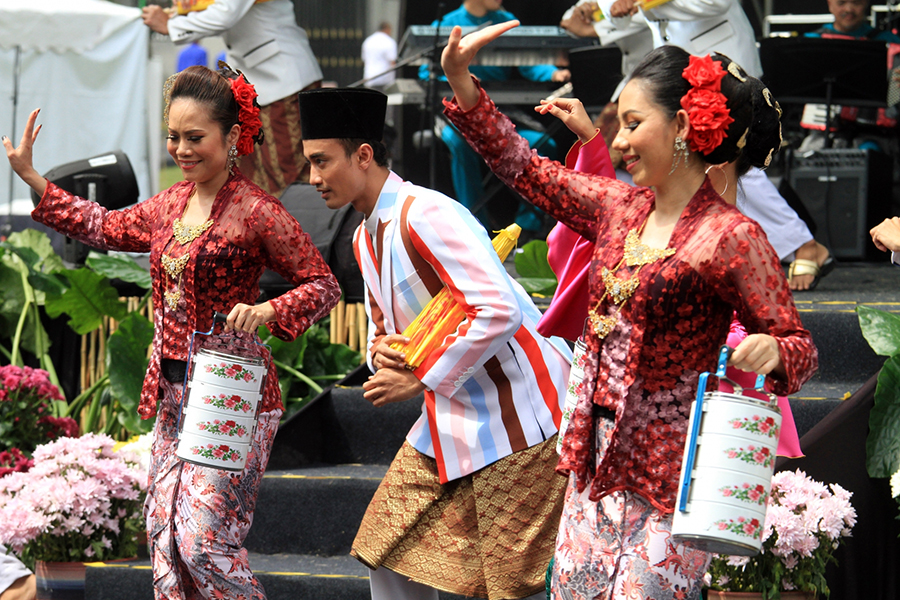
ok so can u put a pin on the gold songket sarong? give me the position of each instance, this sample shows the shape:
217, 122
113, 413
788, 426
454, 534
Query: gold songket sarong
490, 534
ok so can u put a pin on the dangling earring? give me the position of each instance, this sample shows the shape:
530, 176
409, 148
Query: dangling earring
681, 153
721, 170
232, 158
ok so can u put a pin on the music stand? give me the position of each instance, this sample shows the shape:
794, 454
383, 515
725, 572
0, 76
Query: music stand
829, 71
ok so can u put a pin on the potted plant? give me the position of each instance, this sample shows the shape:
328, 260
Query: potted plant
805, 523
81, 501
29, 403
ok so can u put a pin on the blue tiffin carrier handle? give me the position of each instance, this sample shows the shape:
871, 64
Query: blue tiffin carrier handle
694, 432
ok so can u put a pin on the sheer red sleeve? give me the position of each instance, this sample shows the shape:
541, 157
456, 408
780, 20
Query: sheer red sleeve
127, 230
576, 199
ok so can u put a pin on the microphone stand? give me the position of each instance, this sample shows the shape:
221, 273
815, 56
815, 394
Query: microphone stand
431, 97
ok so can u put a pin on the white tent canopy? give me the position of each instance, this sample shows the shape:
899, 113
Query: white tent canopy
84, 64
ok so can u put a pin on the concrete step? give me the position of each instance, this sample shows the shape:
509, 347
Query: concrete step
312, 510
284, 577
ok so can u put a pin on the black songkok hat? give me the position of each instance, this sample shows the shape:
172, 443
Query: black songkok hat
342, 113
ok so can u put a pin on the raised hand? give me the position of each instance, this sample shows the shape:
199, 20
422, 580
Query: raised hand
458, 54
573, 115
20, 159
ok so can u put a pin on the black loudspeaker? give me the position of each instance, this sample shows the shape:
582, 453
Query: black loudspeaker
846, 192
106, 179
332, 233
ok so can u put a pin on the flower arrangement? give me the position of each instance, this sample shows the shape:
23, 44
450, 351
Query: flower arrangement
805, 522
705, 104
27, 418
80, 501
248, 114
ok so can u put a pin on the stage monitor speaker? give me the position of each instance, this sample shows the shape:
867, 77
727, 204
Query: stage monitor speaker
847, 192
332, 233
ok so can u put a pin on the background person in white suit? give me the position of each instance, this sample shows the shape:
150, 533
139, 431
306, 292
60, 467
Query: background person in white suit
265, 43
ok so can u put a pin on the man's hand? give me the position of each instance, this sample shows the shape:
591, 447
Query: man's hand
623, 8
156, 18
561, 76
385, 357
886, 235
581, 23
391, 385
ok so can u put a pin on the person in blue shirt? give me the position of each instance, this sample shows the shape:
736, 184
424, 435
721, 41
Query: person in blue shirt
850, 21
194, 54
465, 164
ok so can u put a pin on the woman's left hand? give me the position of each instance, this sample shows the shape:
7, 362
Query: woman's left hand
244, 317
758, 353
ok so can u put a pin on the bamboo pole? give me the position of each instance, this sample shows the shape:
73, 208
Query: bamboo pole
352, 338
341, 327
332, 326
84, 363
362, 322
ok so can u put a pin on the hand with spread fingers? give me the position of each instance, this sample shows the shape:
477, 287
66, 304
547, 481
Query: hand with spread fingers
573, 115
458, 54
758, 353
20, 159
392, 385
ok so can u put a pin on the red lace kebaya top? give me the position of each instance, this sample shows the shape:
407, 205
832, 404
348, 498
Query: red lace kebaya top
669, 331
251, 231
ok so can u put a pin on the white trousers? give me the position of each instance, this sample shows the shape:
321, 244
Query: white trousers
388, 585
759, 199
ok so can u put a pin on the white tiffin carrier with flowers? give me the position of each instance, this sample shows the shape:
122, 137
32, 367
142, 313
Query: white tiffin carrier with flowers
726, 472
221, 400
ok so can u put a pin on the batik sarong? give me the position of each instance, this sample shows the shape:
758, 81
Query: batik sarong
198, 517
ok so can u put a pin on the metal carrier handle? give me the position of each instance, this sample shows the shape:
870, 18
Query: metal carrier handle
217, 318
694, 431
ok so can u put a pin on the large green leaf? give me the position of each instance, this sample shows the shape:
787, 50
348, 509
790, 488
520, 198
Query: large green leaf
43, 263
883, 443
532, 260
881, 329
534, 272
12, 297
119, 266
87, 301
126, 353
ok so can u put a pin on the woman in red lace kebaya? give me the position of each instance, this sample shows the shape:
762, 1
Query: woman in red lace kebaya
209, 237
672, 263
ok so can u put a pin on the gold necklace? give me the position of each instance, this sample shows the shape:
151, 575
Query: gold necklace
174, 267
635, 254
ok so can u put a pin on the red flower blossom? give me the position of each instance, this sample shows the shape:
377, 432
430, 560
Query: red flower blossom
703, 71
248, 114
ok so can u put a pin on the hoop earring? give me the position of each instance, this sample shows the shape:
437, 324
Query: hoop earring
232, 158
681, 154
721, 170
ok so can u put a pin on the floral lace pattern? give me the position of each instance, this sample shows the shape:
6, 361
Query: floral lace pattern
680, 312
252, 231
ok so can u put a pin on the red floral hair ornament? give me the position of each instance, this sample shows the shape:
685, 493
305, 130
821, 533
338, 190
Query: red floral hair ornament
705, 104
248, 114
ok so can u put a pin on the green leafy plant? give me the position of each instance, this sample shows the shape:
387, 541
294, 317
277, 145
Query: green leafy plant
535, 274
308, 363
882, 331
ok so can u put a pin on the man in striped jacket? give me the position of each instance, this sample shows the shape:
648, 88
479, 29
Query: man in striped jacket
471, 503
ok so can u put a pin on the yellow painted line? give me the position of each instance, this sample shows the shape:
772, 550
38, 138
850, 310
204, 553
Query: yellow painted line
281, 573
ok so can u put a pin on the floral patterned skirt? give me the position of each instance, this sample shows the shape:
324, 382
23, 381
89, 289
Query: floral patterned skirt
198, 517
620, 547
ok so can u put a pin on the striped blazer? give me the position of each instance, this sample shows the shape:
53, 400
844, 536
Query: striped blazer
495, 386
